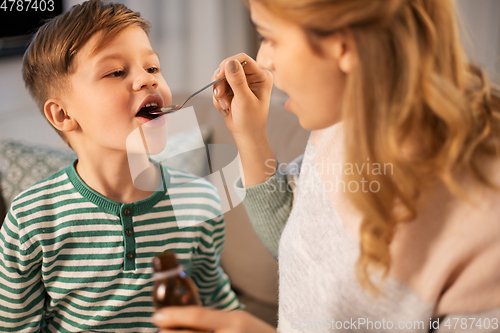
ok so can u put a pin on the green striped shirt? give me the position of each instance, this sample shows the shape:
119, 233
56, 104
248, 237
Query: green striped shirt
79, 262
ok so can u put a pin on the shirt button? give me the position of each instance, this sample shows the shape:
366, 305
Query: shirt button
130, 256
127, 211
129, 232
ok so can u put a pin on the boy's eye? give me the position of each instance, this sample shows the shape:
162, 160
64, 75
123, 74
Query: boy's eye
153, 70
116, 74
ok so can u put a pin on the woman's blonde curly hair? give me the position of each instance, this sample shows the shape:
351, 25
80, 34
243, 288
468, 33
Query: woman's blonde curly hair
414, 84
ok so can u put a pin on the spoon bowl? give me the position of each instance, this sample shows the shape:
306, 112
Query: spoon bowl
168, 109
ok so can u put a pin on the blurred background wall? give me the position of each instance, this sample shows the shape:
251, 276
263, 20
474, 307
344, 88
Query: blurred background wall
193, 36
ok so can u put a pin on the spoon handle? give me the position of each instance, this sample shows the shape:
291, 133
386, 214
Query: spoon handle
208, 85
167, 110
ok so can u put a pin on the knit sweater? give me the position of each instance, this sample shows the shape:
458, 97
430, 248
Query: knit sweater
316, 241
79, 262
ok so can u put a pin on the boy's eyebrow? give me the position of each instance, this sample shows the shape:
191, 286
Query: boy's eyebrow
114, 56
109, 57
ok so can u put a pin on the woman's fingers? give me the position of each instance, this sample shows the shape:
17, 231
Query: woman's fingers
251, 67
219, 88
244, 96
191, 317
237, 80
223, 101
183, 331
217, 106
200, 319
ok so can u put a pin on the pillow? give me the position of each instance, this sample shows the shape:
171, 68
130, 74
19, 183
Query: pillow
3, 209
23, 164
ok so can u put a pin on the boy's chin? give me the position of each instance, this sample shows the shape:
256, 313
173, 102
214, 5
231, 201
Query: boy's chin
149, 137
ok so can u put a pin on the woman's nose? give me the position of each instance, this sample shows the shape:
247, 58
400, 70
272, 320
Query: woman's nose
264, 58
145, 80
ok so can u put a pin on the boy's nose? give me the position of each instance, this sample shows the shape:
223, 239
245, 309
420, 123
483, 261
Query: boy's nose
145, 80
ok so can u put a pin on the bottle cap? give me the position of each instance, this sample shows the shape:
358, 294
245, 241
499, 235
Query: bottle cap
165, 261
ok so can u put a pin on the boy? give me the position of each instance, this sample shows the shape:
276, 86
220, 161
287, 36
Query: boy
76, 248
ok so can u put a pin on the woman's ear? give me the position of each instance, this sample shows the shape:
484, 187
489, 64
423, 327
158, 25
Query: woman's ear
58, 116
342, 47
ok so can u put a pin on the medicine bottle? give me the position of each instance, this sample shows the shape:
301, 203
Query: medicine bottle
172, 286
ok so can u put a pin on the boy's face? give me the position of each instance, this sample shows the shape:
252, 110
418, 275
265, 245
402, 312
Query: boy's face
110, 86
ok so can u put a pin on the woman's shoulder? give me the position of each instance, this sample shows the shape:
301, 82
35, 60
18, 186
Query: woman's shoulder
453, 244
476, 198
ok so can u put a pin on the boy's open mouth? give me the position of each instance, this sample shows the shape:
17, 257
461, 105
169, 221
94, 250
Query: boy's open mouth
150, 104
146, 109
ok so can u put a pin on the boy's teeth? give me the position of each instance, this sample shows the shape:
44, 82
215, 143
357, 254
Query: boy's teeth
151, 104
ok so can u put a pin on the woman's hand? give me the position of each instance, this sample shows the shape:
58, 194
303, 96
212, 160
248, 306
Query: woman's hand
244, 96
200, 319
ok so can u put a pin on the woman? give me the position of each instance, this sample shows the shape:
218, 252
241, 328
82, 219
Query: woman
401, 225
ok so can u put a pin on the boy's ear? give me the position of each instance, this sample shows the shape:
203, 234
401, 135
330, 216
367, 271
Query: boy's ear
58, 117
342, 47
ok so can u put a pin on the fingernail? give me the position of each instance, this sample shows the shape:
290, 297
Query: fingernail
222, 104
233, 66
224, 112
217, 71
158, 316
216, 91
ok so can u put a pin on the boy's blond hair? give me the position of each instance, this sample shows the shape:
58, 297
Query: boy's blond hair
48, 61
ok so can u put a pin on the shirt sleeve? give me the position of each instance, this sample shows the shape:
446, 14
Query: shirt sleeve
22, 293
213, 283
269, 204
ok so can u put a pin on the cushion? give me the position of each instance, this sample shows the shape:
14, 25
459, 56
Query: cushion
3, 209
23, 164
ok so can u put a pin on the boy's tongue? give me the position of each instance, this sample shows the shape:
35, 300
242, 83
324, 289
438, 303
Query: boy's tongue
145, 112
158, 121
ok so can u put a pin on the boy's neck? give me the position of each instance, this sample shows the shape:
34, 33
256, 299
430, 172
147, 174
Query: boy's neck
110, 177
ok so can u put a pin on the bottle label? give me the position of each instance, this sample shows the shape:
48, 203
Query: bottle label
168, 274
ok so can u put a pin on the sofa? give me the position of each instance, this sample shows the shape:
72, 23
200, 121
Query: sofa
251, 268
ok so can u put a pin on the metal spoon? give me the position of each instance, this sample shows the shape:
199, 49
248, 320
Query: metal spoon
173, 107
